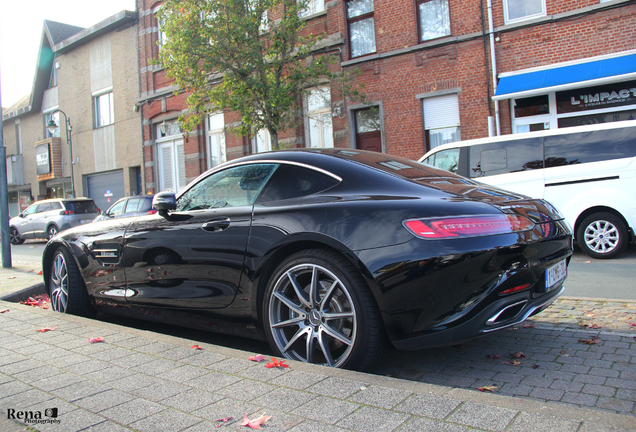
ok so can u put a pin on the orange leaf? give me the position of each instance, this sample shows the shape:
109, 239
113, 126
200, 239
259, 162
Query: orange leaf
277, 364
196, 347
12, 277
490, 388
45, 329
96, 340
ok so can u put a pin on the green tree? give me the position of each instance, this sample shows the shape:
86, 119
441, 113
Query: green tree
246, 56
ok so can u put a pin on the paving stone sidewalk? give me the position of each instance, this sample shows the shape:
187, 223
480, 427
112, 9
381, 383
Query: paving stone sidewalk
139, 380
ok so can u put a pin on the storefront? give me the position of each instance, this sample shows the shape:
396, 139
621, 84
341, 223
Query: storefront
598, 90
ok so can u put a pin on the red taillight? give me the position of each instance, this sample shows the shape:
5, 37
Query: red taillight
66, 212
468, 226
515, 289
152, 211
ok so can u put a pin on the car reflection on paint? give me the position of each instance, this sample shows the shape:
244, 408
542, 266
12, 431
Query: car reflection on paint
330, 255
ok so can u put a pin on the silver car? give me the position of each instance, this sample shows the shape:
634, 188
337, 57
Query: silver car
129, 206
44, 219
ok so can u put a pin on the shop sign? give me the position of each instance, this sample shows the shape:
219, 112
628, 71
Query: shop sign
43, 159
599, 97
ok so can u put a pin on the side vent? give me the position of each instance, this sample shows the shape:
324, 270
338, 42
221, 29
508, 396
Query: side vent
107, 253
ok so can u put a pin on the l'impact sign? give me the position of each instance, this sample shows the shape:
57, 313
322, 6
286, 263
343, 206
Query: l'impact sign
591, 98
43, 159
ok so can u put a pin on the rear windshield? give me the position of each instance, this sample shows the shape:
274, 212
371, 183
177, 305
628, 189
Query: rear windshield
81, 207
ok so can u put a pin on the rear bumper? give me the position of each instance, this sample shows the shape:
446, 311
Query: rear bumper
501, 314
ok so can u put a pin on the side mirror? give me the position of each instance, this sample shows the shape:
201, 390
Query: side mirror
21, 215
163, 202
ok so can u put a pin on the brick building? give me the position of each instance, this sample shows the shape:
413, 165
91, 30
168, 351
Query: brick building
90, 77
434, 71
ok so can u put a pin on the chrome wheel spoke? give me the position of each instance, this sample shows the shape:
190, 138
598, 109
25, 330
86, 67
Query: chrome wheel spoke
298, 335
59, 284
314, 287
290, 304
310, 345
330, 316
324, 347
290, 322
302, 295
337, 335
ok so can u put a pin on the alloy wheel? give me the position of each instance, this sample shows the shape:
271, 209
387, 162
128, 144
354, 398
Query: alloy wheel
601, 236
59, 284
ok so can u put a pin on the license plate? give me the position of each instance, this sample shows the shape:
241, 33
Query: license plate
83, 221
555, 274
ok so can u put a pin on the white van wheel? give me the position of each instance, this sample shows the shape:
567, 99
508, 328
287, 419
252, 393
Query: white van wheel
602, 235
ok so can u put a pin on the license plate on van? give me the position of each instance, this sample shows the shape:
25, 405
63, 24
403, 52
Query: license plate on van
555, 274
83, 221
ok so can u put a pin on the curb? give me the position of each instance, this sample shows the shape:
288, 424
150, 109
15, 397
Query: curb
24, 293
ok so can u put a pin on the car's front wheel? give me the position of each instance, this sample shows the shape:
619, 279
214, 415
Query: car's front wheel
14, 236
51, 231
318, 309
602, 235
67, 290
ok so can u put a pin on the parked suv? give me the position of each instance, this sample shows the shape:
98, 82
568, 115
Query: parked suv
46, 218
129, 206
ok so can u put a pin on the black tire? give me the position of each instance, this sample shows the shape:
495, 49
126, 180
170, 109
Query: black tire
67, 290
15, 236
602, 235
51, 231
341, 327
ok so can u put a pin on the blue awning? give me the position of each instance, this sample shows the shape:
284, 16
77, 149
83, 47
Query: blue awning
608, 70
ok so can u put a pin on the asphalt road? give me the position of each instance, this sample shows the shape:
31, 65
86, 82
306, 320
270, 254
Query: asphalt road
588, 277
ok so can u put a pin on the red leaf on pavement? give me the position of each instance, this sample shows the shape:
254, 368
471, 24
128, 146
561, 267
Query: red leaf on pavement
256, 423
535, 367
45, 329
276, 364
258, 358
96, 340
12, 277
591, 341
196, 347
490, 388
632, 324
592, 326
225, 419
40, 300
40, 273
4, 310
518, 354
529, 326
496, 356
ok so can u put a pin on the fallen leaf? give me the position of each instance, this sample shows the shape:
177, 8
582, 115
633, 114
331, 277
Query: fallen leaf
196, 347
30, 271
535, 367
224, 419
518, 354
496, 356
259, 358
256, 423
564, 354
40, 273
513, 362
276, 364
490, 388
12, 277
592, 326
45, 329
40, 300
529, 326
96, 340
632, 324
4, 310
590, 341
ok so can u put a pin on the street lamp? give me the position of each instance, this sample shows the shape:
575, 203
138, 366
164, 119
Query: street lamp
51, 127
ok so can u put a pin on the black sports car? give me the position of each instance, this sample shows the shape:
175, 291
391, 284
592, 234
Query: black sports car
329, 254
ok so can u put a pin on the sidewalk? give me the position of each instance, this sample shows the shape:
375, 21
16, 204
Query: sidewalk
144, 381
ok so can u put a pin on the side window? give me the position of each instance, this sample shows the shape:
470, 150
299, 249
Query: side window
291, 181
132, 205
506, 157
232, 187
117, 208
447, 160
31, 209
56, 205
585, 147
44, 207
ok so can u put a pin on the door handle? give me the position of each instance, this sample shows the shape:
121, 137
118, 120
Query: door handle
216, 225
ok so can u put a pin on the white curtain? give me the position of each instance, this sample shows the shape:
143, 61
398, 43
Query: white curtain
362, 37
434, 19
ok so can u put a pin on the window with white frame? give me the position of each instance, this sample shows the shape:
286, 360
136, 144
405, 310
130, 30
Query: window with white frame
262, 141
319, 118
441, 119
55, 116
434, 19
170, 157
312, 7
361, 25
104, 109
216, 139
519, 10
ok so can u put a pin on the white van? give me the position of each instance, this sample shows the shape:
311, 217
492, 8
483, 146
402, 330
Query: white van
587, 172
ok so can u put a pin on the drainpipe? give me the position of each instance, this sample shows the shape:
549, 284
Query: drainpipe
493, 61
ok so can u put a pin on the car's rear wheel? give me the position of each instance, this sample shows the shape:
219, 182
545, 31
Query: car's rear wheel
318, 309
51, 231
14, 236
67, 290
602, 235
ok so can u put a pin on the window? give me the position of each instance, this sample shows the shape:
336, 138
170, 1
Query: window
434, 19
117, 208
596, 146
53, 77
104, 110
291, 181
313, 7
506, 157
441, 120
361, 27
170, 157
446, 159
55, 116
319, 118
44, 207
262, 141
519, 10
232, 187
216, 139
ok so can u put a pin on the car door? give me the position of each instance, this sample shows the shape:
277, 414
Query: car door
24, 223
40, 219
193, 257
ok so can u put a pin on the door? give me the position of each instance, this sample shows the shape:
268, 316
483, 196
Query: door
24, 223
105, 188
193, 257
368, 129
